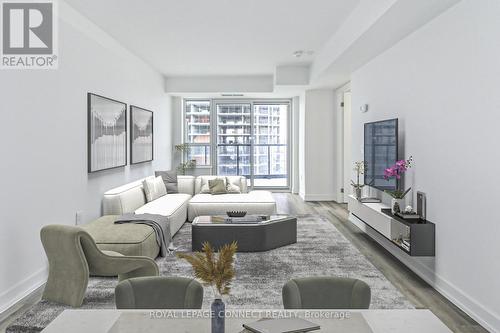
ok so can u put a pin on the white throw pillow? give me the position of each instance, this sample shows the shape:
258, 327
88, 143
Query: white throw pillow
154, 188
205, 189
233, 184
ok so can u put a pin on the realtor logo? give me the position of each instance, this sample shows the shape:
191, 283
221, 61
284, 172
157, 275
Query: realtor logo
28, 35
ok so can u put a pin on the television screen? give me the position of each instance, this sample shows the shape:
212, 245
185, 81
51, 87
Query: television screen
381, 152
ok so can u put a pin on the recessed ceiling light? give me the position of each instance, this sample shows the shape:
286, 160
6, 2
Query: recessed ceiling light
300, 53
232, 95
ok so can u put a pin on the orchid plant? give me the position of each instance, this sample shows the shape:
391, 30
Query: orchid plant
396, 172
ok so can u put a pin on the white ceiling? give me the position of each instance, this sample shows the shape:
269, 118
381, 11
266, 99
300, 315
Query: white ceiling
218, 37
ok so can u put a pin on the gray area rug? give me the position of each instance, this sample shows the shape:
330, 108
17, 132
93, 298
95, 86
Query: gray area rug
320, 250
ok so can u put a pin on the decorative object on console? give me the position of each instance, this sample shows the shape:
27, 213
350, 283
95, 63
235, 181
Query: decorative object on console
421, 204
107, 133
359, 167
141, 135
395, 172
408, 214
188, 164
216, 272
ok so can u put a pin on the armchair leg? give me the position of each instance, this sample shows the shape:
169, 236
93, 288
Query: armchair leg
69, 290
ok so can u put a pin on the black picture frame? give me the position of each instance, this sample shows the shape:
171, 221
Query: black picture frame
142, 154
95, 129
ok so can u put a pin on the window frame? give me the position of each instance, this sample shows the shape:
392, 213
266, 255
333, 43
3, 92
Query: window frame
185, 131
213, 131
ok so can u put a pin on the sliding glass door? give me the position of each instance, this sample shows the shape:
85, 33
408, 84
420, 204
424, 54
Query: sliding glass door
252, 141
234, 136
270, 145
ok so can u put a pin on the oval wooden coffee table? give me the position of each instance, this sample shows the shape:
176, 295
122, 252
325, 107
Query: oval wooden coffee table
275, 231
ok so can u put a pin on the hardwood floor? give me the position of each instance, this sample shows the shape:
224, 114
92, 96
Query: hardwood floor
421, 294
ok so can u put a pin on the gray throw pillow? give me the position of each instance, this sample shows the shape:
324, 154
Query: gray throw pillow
217, 186
170, 180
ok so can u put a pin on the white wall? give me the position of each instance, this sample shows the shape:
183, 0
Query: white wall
442, 83
44, 143
317, 147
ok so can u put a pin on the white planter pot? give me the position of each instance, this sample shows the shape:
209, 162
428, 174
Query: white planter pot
358, 191
397, 205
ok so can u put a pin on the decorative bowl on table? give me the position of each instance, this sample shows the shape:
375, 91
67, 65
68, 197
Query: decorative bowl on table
236, 213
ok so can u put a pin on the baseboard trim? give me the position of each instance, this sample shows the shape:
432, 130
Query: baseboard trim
466, 303
318, 197
21, 290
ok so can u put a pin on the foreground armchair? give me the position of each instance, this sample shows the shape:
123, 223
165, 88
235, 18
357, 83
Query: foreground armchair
326, 293
159, 292
73, 256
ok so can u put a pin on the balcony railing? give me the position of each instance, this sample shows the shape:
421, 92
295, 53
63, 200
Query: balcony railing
270, 160
199, 153
236, 160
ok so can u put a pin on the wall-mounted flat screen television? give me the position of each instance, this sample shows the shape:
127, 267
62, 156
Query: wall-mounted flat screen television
380, 152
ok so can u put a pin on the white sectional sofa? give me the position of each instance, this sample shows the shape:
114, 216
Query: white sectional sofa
253, 202
189, 202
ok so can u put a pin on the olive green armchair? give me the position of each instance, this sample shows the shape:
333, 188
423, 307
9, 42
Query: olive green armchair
73, 256
326, 293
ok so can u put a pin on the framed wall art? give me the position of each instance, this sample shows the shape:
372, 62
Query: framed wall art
141, 135
107, 133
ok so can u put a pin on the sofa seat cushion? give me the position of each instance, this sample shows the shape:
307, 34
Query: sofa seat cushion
165, 205
128, 239
253, 196
174, 206
254, 202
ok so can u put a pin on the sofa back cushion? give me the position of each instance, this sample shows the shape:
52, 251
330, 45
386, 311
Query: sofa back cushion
124, 199
201, 180
205, 184
233, 184
154, 187
129, 197
217, 186
185, 184
170, 180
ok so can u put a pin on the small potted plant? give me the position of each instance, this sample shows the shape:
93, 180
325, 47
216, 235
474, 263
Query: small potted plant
186, 165
359, 167
396, 172
216, 271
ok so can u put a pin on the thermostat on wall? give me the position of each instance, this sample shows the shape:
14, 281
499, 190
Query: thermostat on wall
364, 108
